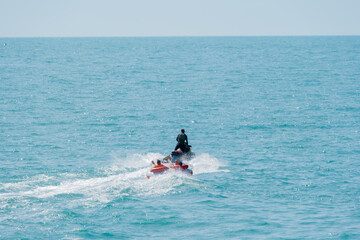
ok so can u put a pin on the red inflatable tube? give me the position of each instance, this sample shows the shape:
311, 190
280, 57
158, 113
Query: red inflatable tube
159, 169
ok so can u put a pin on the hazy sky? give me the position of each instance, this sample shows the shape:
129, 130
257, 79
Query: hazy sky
39, 18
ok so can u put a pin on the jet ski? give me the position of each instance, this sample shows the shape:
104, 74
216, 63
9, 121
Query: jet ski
179, 155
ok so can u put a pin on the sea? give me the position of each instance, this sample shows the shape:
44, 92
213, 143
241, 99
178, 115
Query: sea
273, 122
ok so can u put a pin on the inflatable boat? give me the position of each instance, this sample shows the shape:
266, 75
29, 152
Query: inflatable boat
184, 169
178, 166
159, 169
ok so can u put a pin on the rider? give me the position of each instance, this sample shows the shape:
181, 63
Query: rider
158, 164
182, 141
183, 166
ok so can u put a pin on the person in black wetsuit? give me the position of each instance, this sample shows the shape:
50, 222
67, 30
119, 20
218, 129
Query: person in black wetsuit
182, 141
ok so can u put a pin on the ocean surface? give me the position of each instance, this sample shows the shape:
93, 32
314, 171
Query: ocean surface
274, 123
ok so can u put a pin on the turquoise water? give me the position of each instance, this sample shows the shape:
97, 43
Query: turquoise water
274, 123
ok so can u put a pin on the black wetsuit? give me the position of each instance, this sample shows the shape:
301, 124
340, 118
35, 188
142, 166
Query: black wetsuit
182, 142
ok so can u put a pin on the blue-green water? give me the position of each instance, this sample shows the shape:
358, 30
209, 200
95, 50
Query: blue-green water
274, 122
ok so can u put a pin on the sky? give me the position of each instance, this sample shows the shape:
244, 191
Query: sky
118, 18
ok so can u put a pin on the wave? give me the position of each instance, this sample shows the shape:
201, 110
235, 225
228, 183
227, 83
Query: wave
125, 177
205, 163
